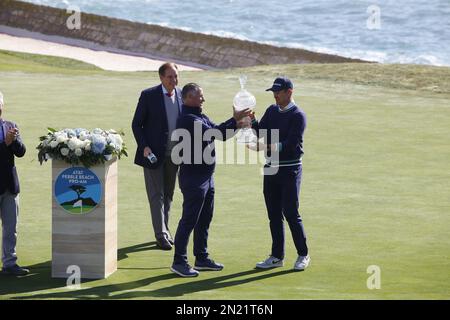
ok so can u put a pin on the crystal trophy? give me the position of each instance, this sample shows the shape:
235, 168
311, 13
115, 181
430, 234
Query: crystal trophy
244, 100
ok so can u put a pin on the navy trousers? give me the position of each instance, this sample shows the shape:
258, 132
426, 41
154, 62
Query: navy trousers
198, 207
281, 194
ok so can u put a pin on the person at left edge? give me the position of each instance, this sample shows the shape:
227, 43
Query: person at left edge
196, 181
10, 146
154, 120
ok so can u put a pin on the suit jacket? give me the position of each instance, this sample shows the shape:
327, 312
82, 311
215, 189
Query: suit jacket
150, 127
9, 181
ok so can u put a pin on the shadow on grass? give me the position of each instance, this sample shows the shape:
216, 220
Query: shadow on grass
221, 282
187, 287
123, 252
40, 277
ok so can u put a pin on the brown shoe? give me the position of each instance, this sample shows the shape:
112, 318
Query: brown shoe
163, 244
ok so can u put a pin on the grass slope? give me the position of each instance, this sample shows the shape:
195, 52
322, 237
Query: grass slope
374, 191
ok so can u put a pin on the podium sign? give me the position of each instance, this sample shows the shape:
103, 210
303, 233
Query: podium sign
84, 219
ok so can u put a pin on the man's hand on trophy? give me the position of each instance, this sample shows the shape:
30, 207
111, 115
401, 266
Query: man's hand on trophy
238, 115
244, 123
256, 146
259, 146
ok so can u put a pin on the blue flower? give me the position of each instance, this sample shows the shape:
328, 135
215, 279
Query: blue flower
78, 131
98, 144
70, 133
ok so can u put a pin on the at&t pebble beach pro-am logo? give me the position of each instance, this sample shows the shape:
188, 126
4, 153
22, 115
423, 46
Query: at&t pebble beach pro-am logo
78, 190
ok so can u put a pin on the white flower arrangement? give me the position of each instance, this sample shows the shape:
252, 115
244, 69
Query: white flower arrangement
79, 145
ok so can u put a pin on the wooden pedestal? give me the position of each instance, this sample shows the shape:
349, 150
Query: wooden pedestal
88, 241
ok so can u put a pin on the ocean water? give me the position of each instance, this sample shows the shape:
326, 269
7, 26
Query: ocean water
403, 31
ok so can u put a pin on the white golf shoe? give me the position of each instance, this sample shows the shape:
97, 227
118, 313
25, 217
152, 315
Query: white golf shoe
270, 262
302, 263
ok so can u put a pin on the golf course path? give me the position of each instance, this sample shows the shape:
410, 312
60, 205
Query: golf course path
102, 59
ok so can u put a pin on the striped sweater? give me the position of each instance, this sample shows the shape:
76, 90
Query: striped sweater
290, 123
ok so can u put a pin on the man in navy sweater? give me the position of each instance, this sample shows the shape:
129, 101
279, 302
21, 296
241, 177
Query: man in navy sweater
196, 180
283, 173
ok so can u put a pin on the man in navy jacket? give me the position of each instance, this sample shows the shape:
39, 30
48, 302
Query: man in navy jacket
10, 146
196, 180
153, 123
283, 172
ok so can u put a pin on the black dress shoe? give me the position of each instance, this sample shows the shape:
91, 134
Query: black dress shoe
15, 270
163, 244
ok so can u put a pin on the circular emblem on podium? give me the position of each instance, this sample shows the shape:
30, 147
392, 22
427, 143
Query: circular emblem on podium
78, 190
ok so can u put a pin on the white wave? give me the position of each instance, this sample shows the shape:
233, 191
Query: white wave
161, 24
368, 55
168, 25
428, 59
227, 34
219, 33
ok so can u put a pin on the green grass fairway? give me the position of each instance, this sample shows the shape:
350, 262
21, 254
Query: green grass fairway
375, 190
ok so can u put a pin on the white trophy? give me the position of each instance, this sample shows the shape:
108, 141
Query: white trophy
244, 100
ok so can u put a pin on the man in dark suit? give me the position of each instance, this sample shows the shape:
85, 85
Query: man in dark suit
154, 121
10, 145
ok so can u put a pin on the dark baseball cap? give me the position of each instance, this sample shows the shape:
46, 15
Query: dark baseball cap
281, 83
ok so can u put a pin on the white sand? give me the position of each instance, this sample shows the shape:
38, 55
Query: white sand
102, 59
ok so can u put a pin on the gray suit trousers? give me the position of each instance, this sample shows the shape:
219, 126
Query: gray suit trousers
9, 213
160, 185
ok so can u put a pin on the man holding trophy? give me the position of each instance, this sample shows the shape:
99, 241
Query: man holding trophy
196, 179
282, 176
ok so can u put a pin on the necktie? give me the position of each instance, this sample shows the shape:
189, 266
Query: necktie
168, 94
